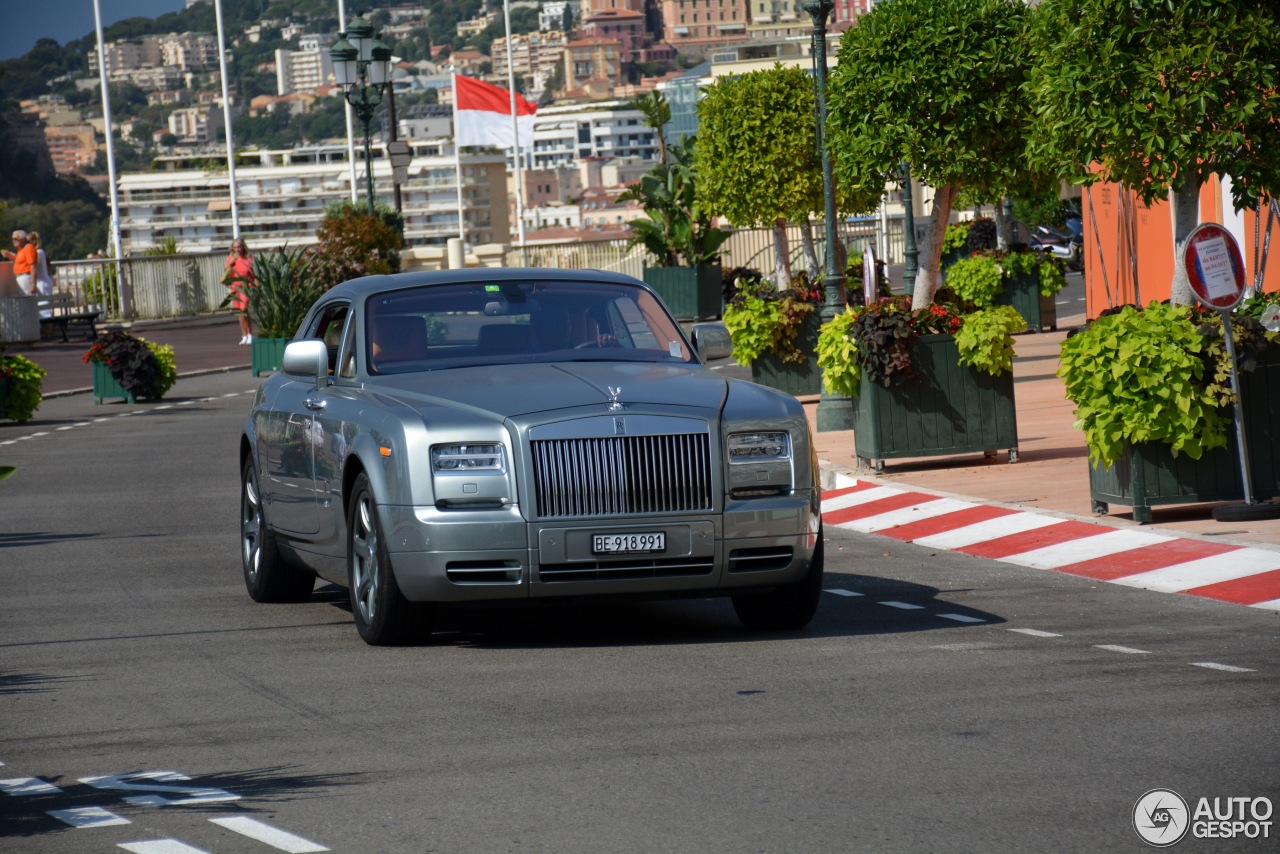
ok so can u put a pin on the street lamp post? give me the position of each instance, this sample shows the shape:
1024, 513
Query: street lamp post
834, 411
362, 67
909, 250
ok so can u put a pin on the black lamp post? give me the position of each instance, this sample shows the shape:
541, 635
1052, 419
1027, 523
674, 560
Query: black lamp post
362, 67
834, 412
909, 250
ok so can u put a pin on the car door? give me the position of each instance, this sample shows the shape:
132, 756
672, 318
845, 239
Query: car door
330, 429
293, 468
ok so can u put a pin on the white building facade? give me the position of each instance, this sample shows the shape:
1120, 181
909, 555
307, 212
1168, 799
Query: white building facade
562, 136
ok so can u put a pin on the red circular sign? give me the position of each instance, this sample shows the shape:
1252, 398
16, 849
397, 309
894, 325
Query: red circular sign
1214, 266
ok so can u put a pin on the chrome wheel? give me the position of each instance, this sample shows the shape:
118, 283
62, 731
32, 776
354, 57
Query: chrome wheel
250, 527
364, 559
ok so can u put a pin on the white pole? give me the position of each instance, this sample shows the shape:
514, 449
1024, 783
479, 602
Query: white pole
457, 166
515, 126
126, 308
226, 118
346, 108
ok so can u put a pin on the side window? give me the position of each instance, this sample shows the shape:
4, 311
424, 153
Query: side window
328, 328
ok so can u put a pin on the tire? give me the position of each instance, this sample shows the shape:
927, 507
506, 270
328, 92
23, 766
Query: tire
787, 608
383, 616
267, 576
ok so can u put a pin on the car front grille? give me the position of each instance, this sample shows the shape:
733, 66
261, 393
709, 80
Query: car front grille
622, 475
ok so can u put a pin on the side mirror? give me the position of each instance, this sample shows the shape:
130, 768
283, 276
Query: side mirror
712, 341
306, 359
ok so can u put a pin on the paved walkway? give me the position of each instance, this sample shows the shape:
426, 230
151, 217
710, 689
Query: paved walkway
968, 503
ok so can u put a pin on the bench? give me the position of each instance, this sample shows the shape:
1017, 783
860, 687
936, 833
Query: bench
58, 311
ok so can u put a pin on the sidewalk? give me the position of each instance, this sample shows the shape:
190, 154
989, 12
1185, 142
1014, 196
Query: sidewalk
1051, 474
1052, 469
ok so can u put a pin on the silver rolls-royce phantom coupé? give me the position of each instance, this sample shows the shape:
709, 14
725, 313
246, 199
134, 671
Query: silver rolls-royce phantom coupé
535, 434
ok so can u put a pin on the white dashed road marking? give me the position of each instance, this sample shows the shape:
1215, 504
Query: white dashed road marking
1127, 650
88, 817
1213, 665
1036, 633
267, 834
19, 786
161, 846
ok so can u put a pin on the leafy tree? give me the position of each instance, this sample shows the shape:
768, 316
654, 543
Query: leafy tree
1160, 95
935, 85
757, 158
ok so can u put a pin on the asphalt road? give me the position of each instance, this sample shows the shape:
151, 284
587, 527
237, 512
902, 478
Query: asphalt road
956, 704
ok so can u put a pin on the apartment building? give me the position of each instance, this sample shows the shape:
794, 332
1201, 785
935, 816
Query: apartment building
592, 67
534, 57
696, 26
551, 15
565, 135
71, 147
188, 51
305, 69
196, 125
282, 195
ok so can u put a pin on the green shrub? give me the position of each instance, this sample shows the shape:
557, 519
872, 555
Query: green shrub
985, 340
354, 243
22, 380
762, 319
1140, 376
977, 279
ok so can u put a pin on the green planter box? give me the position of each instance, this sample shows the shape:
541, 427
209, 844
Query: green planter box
1148, 475
798, 378
105, 386
1023, 293
266, 354
947, 409
691, 293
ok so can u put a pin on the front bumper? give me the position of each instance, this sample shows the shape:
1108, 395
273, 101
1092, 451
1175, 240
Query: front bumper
494, 555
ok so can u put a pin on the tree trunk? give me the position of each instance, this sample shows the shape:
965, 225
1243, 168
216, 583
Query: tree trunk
781, 255
810, 252
1186, 216
1004, 227
930, 258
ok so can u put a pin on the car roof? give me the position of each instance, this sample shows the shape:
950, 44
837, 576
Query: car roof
363, 287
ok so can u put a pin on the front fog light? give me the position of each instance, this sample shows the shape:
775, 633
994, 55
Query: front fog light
467, 458
759, 447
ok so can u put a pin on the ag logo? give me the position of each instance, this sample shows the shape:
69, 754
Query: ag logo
1161, 817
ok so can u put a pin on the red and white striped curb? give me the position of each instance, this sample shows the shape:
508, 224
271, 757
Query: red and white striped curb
1228, 573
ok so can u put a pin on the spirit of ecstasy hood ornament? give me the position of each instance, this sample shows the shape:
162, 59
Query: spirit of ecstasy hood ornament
614, 403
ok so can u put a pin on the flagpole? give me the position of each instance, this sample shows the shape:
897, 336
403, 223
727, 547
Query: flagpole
515, 129
346, 108
226, 119
457, 166
125, 308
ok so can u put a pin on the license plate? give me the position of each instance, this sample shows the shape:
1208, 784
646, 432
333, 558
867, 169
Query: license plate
612, 544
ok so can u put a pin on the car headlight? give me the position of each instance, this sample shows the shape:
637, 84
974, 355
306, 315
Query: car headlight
467, 458
759, 447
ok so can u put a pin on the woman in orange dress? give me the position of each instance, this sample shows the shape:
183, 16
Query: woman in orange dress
239, 277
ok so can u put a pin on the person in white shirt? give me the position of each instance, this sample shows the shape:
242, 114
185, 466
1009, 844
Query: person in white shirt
43, 278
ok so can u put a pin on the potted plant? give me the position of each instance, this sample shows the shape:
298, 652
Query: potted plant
1152, 396
284, 288
130, 368
962, 239
20, 387
676, 229
775, 332
1021, 277
925, 382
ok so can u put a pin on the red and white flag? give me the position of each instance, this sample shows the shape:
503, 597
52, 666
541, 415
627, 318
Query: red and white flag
482, 114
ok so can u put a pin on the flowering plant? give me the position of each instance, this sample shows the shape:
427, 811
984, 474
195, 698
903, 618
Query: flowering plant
875, 341
143, 368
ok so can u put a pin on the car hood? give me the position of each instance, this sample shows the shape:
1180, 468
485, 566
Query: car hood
508, 391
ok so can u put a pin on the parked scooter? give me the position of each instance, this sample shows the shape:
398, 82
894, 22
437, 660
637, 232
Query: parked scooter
1067, 244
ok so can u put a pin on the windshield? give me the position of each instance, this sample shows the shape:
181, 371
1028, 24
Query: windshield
455, 325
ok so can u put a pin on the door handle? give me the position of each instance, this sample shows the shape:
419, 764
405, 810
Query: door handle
314, 404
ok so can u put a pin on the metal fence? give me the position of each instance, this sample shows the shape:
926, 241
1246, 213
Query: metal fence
147, 287
747, 247
154, 287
